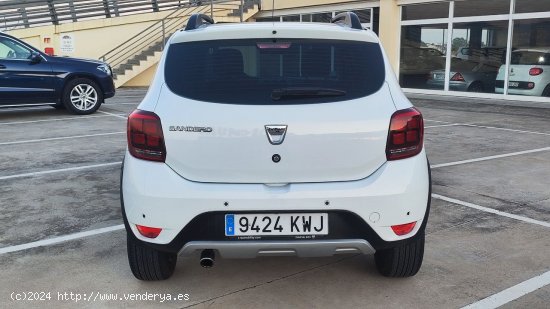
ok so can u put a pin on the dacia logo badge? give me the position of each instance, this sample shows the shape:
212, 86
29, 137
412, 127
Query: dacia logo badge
276, 133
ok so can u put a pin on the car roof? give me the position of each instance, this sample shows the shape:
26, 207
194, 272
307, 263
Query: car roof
274, 30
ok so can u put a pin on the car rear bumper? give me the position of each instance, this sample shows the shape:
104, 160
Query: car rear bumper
190, 212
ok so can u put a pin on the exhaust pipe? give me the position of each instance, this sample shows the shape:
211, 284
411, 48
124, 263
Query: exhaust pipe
207, 258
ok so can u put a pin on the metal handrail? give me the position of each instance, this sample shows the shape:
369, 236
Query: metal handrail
17, 13
141, 32
158, 32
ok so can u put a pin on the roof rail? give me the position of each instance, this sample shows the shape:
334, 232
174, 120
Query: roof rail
348, 19
198, 20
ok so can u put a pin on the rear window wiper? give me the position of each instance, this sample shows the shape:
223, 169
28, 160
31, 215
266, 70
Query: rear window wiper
305, 92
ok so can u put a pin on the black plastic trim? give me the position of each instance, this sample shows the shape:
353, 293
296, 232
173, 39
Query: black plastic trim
198, 20
348, 19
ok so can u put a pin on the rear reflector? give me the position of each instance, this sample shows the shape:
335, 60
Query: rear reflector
149, 232
145, 137
403, 229
535, 71
406, 134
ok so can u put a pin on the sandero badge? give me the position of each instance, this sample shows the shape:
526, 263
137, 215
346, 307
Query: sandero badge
191, 129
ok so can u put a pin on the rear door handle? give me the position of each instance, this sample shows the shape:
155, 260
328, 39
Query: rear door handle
2, 66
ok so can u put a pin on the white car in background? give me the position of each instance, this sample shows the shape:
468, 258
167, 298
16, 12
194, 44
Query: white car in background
270, 139
529, 73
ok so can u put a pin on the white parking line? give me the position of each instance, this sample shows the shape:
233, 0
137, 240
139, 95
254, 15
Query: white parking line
512, 154
512, 293
59, 138
504, 129
54, 119
60, 239
491, 210
444, 125
115, 115
126, 103
70, 169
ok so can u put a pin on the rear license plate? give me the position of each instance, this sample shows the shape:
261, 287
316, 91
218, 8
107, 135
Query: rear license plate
513, 84
439, 76
276, 224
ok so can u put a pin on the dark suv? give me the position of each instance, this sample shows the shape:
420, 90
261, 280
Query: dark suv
29, 77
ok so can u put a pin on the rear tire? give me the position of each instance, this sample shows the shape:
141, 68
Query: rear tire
476, 87
402, 261
546, 92
149, 264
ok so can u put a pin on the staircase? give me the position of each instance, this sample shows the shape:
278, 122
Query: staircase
143, 50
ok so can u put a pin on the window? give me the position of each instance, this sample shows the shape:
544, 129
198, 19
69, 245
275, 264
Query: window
10, 49
423, 50
530, 6
291, 18
268, 19
529, 72
478, 52
256, 71
425, 11
321, 17
480, 8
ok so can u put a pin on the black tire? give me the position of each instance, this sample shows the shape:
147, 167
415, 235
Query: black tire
546, 92
476, 87
149, 264
66, 99
402, 261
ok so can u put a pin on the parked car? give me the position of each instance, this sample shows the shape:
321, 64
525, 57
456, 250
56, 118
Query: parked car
268, 139
466, 75
30, 77
529, 73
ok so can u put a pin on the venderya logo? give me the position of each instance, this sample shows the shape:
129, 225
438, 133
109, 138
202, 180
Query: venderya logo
191, 129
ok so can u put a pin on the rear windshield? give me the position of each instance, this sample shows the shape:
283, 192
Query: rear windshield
287, 71
530, 58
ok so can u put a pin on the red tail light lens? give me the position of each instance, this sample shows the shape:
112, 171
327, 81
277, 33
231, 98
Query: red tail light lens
145, 137
403, 229
149, 232
535, 71
406, 135
457, 77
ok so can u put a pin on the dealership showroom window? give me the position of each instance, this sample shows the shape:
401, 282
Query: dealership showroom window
468, 46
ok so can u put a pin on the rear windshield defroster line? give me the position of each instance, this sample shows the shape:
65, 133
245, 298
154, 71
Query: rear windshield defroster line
258, 72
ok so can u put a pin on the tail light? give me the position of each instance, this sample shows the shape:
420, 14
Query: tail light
535, 71
457, 77
406, 134
145, 137
149, 232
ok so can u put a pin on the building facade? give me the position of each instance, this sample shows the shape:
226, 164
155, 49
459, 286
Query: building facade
474, 48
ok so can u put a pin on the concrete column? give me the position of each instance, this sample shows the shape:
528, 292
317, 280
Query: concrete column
389, 30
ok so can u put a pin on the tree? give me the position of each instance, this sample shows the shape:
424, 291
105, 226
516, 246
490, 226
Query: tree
458, 43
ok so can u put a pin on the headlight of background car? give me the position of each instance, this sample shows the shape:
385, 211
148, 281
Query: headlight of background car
105, 68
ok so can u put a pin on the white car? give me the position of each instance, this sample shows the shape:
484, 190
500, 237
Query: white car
270, 139
529, 73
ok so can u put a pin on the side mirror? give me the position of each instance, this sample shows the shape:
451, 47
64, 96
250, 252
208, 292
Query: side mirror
35, 57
